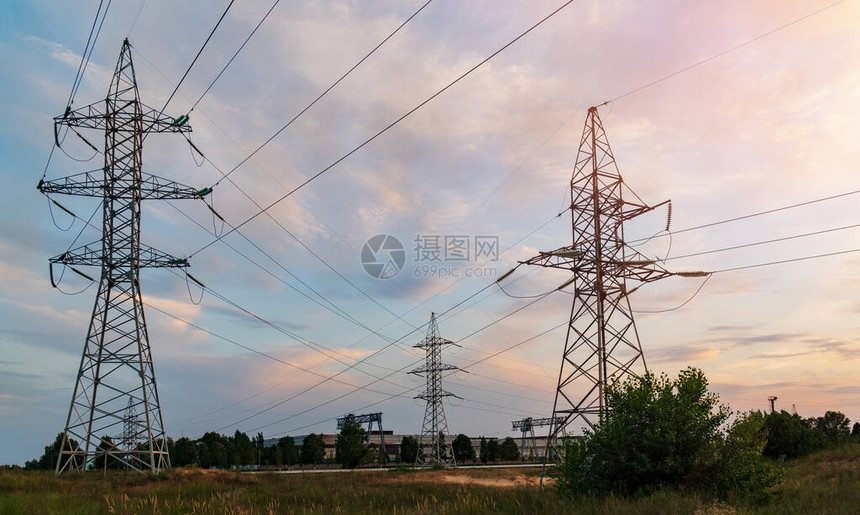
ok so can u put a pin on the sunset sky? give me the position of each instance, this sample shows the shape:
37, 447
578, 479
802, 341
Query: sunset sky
758, 110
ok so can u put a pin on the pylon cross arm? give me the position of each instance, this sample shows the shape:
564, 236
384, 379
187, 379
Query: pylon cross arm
92, 184
634, 210
93, 116
567, 258
91, 255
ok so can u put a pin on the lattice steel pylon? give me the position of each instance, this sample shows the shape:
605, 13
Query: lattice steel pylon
130, 424
602, 342
434, 440
116, 375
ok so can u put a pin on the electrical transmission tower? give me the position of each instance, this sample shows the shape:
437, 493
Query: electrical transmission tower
130, 424
115, 388
367, 418
602, 342
434, 440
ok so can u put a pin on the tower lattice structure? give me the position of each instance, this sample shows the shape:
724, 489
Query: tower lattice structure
602, 342
115, 394
434, 440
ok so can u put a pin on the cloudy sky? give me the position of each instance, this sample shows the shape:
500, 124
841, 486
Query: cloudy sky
767, 120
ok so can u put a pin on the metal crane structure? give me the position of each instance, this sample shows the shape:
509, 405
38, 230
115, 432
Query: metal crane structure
115, 394
527, 427
367, 418
602, 343
434, 441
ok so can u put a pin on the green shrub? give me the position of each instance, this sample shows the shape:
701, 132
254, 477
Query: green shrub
661, 432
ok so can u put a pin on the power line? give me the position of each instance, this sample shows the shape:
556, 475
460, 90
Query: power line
335, 309
752, 215
82, 66
249, 197
405, 392
696, 293
340, 313
193, 61
389, 126
136, 16
88, 51
384, 376
792, 260
338, 81
724, 52
230, 61
526, 160
754, 244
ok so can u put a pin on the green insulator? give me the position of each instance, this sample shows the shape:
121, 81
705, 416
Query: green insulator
204, 192
181, 120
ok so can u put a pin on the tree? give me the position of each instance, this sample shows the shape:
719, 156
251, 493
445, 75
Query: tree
855, 430
483, 451
463, 450
492, 450
243, 449
313, 450
409, 449
833, 428
381, 456
663, 432
736, 467
509, 451
351, 446
289, 450
260, 447
788, 435
184, 453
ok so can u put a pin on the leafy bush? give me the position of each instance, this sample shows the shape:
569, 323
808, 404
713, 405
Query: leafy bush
661, 432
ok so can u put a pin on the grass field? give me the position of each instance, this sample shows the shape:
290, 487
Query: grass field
827, 482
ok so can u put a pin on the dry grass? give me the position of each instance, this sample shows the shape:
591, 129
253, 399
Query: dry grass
825, 483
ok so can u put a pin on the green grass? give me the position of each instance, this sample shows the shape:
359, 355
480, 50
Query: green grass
828, 482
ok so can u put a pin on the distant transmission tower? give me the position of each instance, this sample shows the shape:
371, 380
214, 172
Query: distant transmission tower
131, 427
602, 342
116, 377
434, 441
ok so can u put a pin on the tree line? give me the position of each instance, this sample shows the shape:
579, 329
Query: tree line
214, 450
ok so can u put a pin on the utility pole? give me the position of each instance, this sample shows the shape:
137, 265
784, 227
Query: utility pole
115, 387
434, 432
772, 400
602, 343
